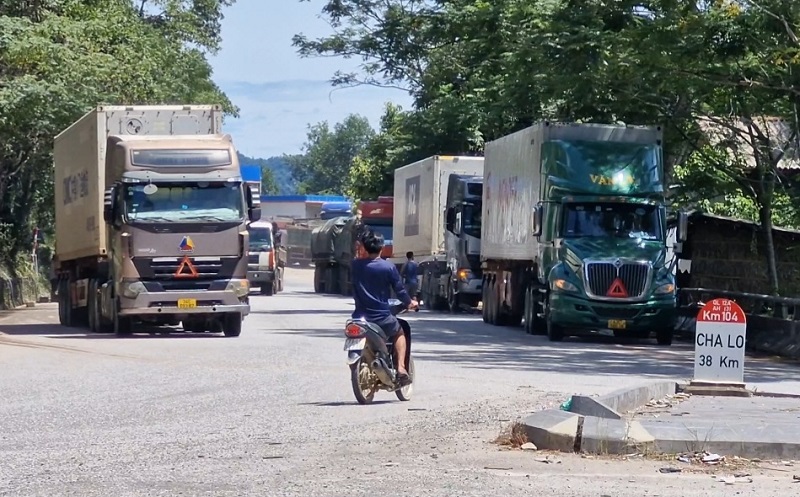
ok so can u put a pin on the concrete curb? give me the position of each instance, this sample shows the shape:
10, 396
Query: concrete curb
598, 425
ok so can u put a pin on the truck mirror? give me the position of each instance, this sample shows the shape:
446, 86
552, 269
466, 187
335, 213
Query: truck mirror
450, 219
683, 227
254, 214
536, 221
109, 204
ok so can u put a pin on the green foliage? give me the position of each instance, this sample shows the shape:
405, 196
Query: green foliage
60, 58
329, 155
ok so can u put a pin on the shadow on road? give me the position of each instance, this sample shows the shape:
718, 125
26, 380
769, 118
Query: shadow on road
58, 331
467, 341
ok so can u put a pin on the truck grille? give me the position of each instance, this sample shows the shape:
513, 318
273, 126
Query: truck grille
163, 269
601, 275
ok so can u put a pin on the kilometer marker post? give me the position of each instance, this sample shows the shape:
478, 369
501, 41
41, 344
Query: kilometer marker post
719, 345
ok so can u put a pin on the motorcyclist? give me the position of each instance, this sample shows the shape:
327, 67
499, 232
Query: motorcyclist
373, 279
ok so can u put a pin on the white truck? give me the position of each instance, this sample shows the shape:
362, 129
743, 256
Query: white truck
437, 216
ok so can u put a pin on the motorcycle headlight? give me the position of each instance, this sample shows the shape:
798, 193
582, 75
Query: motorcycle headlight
240, 287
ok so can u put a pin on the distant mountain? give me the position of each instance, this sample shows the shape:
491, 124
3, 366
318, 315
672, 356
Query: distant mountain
279, 170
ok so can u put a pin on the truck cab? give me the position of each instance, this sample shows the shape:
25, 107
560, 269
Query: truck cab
462, 240
177, 215
266, 258
377, 215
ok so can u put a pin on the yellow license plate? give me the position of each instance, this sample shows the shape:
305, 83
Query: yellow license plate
617, 324
187, 303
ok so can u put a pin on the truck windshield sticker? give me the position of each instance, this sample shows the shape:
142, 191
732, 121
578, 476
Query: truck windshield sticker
412, 207
180, 158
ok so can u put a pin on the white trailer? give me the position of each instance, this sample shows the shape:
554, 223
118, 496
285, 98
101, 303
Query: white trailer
421, 226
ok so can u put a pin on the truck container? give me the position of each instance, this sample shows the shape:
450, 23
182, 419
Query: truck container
438, 219
574, 231
151, 213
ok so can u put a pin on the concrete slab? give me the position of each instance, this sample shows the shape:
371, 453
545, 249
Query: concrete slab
553, 429
614, 405
751, 427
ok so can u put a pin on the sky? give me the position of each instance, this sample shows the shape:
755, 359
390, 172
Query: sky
278, 93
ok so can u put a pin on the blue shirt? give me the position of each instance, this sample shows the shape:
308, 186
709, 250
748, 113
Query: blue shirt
410, 272
373, 281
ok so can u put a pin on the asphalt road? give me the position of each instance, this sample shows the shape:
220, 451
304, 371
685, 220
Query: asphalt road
271, 412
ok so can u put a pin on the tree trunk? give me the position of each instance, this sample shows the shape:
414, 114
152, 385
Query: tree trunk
765, 219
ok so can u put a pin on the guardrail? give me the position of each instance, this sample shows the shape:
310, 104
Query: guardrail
773, 323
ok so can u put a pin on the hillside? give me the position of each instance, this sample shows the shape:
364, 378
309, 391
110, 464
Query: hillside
279, 170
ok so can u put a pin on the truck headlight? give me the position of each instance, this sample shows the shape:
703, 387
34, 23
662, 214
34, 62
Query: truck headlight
240, 287
464, 274
132, 289
665, 289
564, 286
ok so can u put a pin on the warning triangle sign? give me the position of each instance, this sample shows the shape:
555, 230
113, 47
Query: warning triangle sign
617, 289
186, 265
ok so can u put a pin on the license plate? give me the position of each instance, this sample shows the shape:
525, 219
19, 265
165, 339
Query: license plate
617, 324
187, 303
355, 343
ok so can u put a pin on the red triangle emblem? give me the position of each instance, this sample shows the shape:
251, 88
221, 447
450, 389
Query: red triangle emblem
186, 263
617, 289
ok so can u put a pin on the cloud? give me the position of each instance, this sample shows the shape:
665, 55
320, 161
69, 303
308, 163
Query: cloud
275, 114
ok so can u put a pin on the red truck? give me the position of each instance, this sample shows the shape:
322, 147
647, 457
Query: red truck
379, 216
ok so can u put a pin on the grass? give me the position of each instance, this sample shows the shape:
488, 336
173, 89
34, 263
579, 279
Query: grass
512, 436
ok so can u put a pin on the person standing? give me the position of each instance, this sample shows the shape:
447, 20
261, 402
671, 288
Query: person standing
409, 274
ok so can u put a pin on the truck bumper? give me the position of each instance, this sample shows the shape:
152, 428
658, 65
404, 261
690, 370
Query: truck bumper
470, 287
255, 276
574, 312
188, 302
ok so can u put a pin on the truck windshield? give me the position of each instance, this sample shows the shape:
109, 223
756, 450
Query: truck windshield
623, 220
260, 238
184, 202
471, 219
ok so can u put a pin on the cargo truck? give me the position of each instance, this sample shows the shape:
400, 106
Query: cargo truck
574, 232
438, 218
151, 220
266, 262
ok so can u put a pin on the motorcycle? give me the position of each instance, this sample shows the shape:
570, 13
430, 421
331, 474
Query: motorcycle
370, 356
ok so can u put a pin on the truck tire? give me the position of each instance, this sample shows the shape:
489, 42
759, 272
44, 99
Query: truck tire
529, 312
344, 281
485, 301
664, 336
555, 333
123, 325
332, 280
64, 303
317, 279
93, 307
280, 279
491, 298
232, 324
267, 288
453, 300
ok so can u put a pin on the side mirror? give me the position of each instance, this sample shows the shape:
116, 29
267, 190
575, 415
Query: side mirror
109, 205
450, 219
254, 214
682, 233
536, 221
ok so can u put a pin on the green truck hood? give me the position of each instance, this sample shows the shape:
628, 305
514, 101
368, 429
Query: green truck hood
604, 248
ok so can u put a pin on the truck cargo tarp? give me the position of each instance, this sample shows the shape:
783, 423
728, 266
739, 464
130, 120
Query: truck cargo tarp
344, 243
324, 237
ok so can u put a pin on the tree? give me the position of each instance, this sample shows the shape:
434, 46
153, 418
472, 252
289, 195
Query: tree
60, 58
328, 154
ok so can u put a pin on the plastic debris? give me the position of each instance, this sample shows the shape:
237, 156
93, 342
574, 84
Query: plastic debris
529, 446
566, 405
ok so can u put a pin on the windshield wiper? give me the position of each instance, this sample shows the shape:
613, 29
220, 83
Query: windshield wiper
207, 218
156, 219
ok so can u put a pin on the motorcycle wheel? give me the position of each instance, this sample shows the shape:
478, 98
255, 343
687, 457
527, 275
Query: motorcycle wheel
360, 379
404, 394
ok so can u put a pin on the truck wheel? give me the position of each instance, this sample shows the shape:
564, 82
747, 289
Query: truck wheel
123, 325
555, 333
453, 300
232, 324
484, 301
280, 280
529, 311
93, 307
492, 300
664, 336
65, 303
344, 281
267, 288
317, 279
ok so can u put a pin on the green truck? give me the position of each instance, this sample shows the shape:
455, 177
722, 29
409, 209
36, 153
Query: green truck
574, 232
